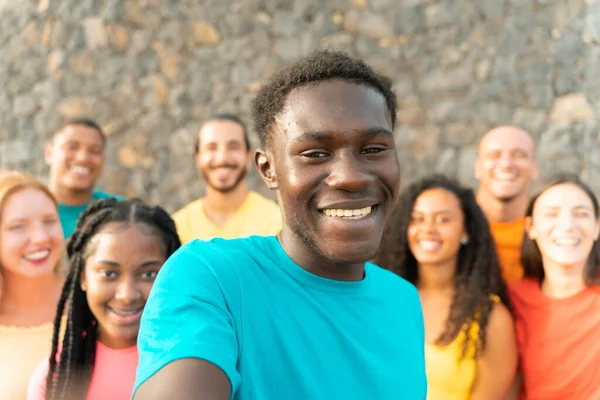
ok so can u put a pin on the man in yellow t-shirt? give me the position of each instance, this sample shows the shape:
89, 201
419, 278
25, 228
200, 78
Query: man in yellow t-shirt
228, 209
505, 167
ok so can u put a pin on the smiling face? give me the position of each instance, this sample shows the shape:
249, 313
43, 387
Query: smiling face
334, 163
222, 155
564, 226
505, 163
436, 227
31, 237
76, 157
119, 273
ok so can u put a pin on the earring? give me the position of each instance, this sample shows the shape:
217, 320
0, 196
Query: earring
83, 288
464, 240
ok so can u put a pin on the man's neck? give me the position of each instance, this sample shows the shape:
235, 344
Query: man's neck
219, 206
500, 211
70, 197
309, 259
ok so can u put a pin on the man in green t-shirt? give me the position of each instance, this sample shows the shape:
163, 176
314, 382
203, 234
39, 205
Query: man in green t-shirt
75, 155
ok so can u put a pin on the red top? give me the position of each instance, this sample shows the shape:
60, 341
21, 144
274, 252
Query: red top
558, 342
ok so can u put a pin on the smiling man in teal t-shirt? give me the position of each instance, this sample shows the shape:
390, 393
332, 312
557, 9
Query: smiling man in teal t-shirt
75, 155
303, 315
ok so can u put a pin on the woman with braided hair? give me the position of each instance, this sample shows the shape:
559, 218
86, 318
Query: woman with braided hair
439, 240
31, 278
116, 251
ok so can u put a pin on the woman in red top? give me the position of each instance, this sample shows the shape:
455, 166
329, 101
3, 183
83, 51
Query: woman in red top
557, 305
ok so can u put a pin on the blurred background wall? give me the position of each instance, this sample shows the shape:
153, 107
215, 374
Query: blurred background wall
149, 71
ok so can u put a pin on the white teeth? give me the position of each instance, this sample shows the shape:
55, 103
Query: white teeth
38, 255
81, 170
506, 176
347, 213
429, 245
566, 242
125, 312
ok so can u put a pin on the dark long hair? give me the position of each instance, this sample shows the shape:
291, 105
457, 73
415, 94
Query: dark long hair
531, 257
478, 278
70, 377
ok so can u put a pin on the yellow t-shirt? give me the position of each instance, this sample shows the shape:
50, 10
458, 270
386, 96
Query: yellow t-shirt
448, 376
509, 237
256, 216
21, 350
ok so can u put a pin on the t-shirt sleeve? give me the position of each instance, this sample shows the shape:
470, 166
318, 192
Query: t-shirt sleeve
36, 390
187, 315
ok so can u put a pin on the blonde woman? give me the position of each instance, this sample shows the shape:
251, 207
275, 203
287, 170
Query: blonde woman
31, 255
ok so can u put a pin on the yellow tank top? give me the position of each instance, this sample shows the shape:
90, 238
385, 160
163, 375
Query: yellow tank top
447, 377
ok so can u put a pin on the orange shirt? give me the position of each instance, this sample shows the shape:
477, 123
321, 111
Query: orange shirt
558, 342
509, 237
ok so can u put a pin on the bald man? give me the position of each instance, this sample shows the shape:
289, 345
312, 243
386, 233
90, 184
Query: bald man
505, 166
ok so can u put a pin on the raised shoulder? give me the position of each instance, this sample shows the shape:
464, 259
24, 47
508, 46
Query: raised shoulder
500, 318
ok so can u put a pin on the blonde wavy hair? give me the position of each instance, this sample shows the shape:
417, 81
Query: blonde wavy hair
12, 182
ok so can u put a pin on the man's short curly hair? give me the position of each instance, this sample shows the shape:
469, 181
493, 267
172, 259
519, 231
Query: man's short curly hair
319, 66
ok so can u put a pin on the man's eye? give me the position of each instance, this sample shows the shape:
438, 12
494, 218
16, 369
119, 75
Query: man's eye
373, 150
315, 154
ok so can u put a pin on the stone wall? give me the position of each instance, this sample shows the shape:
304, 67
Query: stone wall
150, 70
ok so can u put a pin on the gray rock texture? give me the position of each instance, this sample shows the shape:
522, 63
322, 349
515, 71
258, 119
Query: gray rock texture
151, 70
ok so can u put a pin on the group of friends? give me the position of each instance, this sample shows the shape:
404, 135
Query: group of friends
347, 287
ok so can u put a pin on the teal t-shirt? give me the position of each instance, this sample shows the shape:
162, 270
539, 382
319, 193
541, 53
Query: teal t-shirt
69, 214
280, 332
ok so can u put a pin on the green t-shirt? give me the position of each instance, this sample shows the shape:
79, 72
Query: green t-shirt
69, 214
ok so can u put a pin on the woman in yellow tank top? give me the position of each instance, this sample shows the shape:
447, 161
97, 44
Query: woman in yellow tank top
439, 240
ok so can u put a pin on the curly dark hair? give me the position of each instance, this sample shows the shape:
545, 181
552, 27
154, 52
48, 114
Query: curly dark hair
70, 377
531, 257
478, 276
321, 65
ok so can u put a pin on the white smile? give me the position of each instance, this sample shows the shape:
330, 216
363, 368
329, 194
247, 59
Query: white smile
81, 170
566, 242
125, 313
348, 213
506, 176
429, 245
37, 255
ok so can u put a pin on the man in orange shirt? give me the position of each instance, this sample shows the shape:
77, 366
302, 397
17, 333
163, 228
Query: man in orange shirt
504, 167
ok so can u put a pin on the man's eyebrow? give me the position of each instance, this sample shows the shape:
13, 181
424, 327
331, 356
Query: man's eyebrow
325, 135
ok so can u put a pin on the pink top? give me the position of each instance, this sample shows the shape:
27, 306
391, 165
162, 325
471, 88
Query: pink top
113, 377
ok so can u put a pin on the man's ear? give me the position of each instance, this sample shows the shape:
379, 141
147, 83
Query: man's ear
477, 169
48, 153
266, 167
197, 160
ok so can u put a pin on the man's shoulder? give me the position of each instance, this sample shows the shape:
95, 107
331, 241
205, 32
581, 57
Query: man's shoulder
99, 194
388, 281
219, 251
258, 200
191, 206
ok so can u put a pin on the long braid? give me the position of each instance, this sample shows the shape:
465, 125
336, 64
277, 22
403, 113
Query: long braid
168, 230
70, 377
56, 334
79, 318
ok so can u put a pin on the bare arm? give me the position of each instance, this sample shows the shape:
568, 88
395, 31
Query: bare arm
497, 365
186, 379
